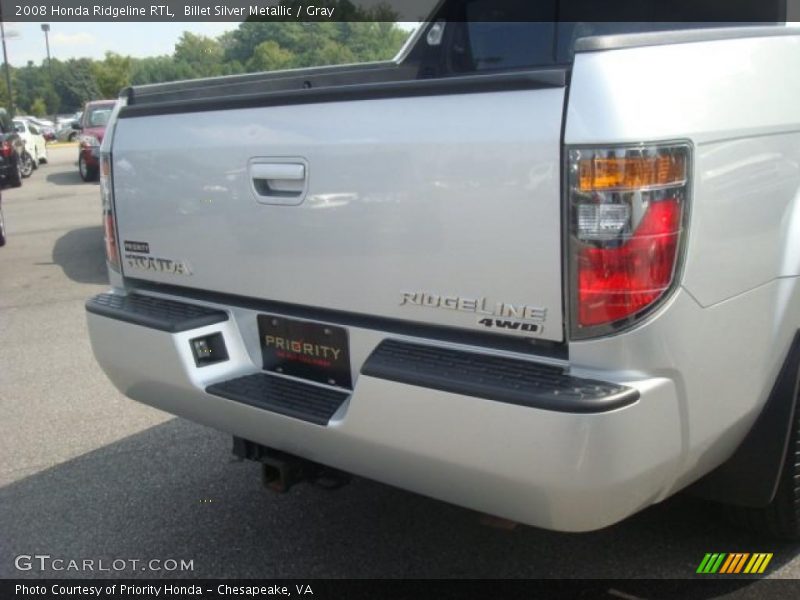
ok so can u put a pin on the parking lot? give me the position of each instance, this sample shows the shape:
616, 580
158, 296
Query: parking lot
87, 474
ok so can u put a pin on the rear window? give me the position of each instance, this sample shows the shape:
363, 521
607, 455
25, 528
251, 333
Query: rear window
98, 117
496, 35
504, 45
506, 34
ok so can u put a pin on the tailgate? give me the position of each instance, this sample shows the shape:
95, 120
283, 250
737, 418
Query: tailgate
441, 209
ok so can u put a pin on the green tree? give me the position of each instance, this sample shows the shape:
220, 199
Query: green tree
158, 69
315, 43
372, 41
75, 82
269, 56
33, 82
203, 55
112, 74
52, 100
328, 52
38, 108
4, 100
253, 46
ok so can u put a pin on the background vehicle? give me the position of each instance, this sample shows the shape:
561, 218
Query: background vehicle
45, 126
68, 131
35, 144
64, 119
533, 270
92, 126
12, 150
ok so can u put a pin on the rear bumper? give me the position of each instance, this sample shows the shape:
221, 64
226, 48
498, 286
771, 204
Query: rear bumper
505, 453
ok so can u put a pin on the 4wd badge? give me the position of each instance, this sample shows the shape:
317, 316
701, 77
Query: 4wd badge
499, 315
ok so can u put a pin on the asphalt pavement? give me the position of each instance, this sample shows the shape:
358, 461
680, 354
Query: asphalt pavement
86, 474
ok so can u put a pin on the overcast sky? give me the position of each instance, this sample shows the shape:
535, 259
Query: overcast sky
25, 41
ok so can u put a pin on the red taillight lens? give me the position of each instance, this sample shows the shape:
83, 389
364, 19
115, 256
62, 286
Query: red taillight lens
6, 149
625, 233
109, 224
614, 283
110, 238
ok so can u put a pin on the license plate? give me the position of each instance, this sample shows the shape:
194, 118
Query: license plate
303, 349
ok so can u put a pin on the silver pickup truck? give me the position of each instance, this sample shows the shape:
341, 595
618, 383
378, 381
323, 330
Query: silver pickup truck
546, 271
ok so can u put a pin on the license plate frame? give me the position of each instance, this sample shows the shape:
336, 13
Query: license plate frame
305, 349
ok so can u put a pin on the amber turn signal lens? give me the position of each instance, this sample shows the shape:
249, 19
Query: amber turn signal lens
105, 166
631, 172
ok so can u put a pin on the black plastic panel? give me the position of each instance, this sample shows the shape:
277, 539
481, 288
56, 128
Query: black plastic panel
468, 84
155, 313
494, 378
274, 81
284, 396
425, 331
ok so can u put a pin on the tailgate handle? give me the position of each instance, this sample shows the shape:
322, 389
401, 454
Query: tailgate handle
278, 183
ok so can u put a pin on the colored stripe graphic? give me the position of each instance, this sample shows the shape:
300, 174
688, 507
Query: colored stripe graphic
715, 567
704, 563
741, 562
734, 563
759, 562
711, 562
732, 558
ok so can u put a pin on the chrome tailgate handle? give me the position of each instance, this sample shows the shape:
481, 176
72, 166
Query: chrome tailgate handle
278, 171
278, 182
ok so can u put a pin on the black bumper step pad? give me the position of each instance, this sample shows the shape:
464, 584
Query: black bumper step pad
284, 396
155, 313
496, 378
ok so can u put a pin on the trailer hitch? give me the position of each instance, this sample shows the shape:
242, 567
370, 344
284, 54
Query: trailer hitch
281, 470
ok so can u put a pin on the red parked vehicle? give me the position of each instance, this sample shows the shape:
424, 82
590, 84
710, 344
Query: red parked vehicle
93, 128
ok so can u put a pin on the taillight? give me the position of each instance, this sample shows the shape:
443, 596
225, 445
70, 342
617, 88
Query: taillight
109, 222
6, 149
627, 208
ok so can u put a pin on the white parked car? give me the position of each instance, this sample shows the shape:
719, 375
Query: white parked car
35, 144
45, 127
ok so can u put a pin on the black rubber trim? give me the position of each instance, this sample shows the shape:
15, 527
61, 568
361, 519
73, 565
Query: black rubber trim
678, 36
494, 378
751, 476
283, 396
155, 313
544, 78
426, 331
273, 81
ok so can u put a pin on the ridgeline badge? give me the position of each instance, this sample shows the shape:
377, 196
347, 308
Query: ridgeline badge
498, 315
479, 306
